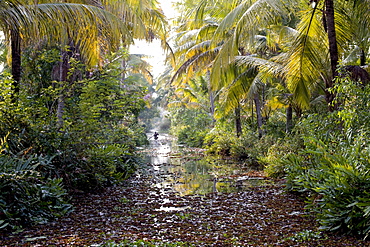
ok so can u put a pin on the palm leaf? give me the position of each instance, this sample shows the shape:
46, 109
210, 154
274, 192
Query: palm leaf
194, 65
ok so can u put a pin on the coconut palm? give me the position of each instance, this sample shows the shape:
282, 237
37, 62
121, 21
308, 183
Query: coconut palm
24, 22
194, 52
306, 58
92, 29
202, 56
306, 64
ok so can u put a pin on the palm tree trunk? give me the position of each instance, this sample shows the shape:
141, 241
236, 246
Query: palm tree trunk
124, 70
211, 98
212, 103
289, 119
238, 122
60, 110
362, 58
63, 71
257, 103
333, 48
16, 62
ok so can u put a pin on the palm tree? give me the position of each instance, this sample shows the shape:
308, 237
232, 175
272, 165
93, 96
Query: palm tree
194, 52
194, 59
59, 22
318, 34
144, 18
92, 28
82, 29
193, 95
220, 58
302, 63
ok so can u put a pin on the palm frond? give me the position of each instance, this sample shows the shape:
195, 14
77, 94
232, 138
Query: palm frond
231, 20
93, 29
221, 63
207, 31
198, 48
265, 65
195, 64
307, 61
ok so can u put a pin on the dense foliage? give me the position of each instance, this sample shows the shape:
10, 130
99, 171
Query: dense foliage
28, 195
261, 70
333, 167
190, 126
93, 147
280, 84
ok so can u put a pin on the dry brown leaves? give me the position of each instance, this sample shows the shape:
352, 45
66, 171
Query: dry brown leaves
260, 216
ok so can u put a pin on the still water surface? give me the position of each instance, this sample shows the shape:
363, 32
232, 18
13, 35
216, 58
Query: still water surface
173, 168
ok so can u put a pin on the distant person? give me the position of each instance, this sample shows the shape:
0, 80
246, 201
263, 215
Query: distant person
156, 136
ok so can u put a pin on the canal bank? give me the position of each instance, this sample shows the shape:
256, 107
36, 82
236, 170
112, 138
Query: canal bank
154, 208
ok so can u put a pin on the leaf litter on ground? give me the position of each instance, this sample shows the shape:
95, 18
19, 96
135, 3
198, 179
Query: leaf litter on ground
136, 213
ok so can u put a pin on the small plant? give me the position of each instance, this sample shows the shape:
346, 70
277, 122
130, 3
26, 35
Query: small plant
337, 184
145, 243
183, 216
124, 200
307, 235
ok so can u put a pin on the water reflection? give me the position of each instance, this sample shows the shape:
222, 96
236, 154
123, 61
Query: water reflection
193, 174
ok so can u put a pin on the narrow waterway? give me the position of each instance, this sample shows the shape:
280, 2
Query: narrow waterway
188, 171
168, 203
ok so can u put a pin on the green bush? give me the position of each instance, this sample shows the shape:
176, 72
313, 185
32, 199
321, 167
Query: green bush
278, 151
331, 161
108, 164
91, 167
219, 142
248, 147
337, 183
190, 126
190, 136
27, 197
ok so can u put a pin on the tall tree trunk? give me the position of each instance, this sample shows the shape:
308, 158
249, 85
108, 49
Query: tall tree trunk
333, 49
238, 122
60, 110
289, 119
211, 98
257, 103
362, 58
16, 62
123, 73
212, 103
62, 74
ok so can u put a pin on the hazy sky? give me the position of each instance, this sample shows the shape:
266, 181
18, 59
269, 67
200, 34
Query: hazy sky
167, 8
154, 49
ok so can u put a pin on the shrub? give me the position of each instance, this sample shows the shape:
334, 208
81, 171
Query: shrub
336, 179
190, 136
91, 167
27, 197
248, 147
108, 164
279, 150
219, 142
190, 126
332, 165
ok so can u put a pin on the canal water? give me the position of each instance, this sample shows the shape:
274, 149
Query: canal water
187, 171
